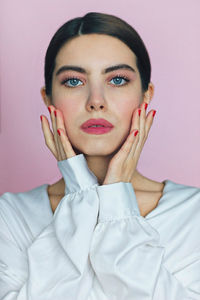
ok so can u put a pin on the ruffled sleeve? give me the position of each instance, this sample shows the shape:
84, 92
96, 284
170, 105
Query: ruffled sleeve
56, 265
127, 257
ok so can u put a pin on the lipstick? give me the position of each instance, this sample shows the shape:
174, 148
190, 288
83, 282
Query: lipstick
96, 126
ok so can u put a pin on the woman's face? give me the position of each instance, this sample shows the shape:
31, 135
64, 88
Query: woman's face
95, 93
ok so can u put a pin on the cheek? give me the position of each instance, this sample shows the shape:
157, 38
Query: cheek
126, 111
69, 110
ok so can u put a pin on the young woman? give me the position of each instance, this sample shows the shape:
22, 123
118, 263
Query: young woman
104, 231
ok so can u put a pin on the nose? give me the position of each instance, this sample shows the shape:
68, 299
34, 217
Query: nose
96, 101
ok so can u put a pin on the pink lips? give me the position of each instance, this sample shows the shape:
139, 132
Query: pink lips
105, 126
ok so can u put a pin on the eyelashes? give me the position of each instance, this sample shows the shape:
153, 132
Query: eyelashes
76, 79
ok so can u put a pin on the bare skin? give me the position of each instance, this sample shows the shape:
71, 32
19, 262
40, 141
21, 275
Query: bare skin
96, 97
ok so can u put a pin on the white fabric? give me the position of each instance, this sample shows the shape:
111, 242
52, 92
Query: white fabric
97, 246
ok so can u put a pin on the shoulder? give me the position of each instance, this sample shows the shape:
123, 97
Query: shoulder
181, 205
181, 201
23, 201
182, 192
24, 214
178, 214
178, 199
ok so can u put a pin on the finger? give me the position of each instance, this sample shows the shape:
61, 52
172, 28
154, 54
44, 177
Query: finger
69, 152
142, 121
48, 136
136, 148
149, 122
60, 124
129, 145
53, 121
130, 142
135, 120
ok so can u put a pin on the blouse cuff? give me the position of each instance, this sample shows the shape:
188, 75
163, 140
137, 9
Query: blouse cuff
116, 201
76, 174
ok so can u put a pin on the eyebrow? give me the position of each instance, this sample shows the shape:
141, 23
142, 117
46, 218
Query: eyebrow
81, 70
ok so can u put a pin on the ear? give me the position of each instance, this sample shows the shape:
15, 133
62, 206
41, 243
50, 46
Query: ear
46, 99
148, 95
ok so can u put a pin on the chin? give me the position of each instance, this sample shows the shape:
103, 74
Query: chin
95, 151
95, 147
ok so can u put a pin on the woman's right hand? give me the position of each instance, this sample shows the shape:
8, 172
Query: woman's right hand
60, 146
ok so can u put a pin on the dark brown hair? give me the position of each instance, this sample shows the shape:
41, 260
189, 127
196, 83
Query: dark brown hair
98, 23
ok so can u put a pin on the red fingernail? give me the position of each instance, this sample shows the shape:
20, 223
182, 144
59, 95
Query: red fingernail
55, 113
139, 112
41, 118
146, 104
58, 131
49, 108
136, 133
154, 112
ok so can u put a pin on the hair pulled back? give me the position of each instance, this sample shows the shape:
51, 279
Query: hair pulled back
98, 23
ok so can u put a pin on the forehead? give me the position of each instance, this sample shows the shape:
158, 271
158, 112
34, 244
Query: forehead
95, 49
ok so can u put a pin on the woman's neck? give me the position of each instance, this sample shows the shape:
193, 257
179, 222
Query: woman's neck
99, 165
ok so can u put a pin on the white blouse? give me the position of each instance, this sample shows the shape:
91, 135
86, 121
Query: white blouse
96, 245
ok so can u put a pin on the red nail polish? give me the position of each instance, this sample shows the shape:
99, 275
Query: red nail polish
58, 131
154, 112
146, 104
139, 112
136, 133
55, 113
49, 108
41, 118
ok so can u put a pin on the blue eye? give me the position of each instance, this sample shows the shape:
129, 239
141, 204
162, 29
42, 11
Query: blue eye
118, 80
73, 81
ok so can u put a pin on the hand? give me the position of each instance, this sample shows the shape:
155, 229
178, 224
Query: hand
60, 146
123, 164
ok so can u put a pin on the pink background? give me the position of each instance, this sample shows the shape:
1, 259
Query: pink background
171, 33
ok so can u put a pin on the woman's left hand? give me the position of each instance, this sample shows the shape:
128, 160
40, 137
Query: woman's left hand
123, 164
